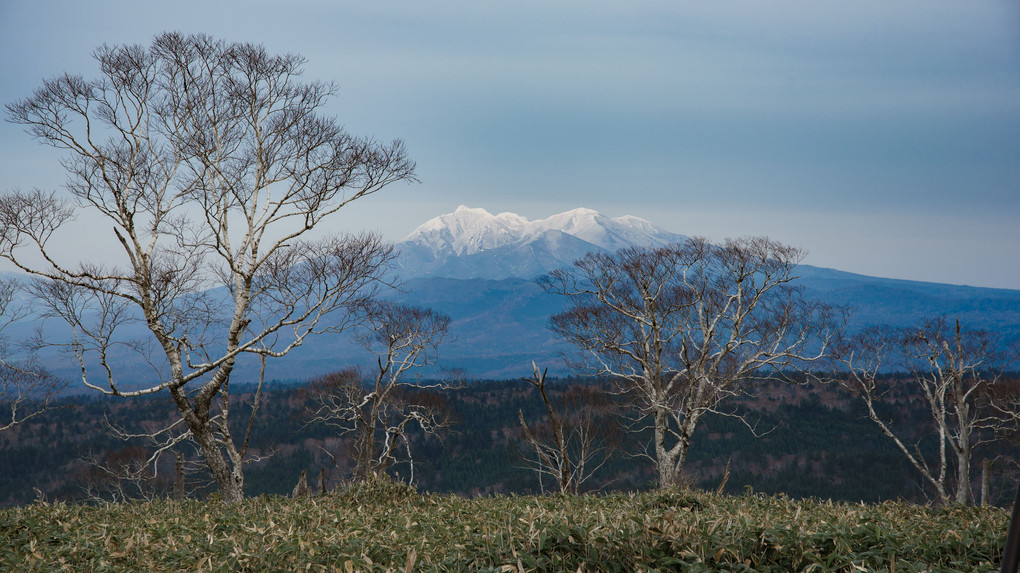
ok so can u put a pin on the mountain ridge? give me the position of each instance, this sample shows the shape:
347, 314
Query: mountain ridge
470, 230
511, 310
500, 314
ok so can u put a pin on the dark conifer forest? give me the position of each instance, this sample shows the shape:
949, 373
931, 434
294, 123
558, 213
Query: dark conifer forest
809, 440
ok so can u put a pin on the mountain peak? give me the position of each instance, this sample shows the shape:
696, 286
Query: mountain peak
475, 211
581, 211
472, 231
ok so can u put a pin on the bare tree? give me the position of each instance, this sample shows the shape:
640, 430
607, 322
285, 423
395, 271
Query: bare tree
26, 388
26, 391
575, 442
130, 473
1005, 395
688, 326
120, 475
210, 163
955, 371
380, 411
148, 475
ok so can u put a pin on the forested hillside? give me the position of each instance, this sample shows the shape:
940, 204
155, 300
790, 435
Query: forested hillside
814, 442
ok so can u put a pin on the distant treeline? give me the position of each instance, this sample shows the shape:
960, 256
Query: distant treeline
812, 441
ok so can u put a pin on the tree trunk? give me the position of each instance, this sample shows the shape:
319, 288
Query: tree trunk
221, 456
179, 476
229, 477
668, 461
229, 481
963, 493
366, 449
301, 489
986, 476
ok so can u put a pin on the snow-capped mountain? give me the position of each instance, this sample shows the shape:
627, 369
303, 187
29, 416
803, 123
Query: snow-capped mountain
478, 269
473, 243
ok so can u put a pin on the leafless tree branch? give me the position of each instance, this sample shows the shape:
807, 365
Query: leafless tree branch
380, 411
26, 388
576, 442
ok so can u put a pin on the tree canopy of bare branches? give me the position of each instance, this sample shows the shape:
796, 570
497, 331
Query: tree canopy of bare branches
209, 162
956, 371
687, 326
576, 439
379, 410
26, 388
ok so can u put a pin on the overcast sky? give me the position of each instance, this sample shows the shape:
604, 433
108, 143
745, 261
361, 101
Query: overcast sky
883, 137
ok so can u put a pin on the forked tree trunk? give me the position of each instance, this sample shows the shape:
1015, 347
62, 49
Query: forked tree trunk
669, 461
220, 453
229, 476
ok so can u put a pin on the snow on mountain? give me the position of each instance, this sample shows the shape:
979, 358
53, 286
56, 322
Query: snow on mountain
470, 230
473, 243
467, 231
608, 233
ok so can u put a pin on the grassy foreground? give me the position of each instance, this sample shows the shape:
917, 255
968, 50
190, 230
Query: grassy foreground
389, 527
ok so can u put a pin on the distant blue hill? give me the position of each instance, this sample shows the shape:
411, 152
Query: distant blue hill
500, 326
480, 269
902, 303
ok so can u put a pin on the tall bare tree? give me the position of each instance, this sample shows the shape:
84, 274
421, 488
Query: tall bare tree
210, 163
379, 411
26, 388
576, 439
956, 372
688, 326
